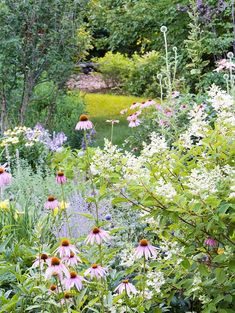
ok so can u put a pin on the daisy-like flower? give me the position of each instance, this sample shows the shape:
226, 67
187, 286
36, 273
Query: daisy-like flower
61, 178
53, 289
124, 111
97, 235
133, 119
84, 123
126, 287
5, 178
145, 249
96, 271
41, 261
71, 260
168, 112
66, 248
135, 105
52, 203
112, 121
56, 268
175, 94
211, 242
147, 103
74, 280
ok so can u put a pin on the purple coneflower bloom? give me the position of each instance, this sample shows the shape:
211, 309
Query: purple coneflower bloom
127, 287
53, 289
147, 103
74, 280
211, 242
97, 234
61, 178
145, 249
56, 268
71, 260
135, 105
84, 123
168, 112
124, 111
96, 271
66, 248
5, 178
52, 203
41, 261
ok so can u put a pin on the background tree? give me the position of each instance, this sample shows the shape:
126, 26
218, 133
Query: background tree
38, 43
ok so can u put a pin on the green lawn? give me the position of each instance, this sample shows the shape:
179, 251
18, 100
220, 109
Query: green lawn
102, 107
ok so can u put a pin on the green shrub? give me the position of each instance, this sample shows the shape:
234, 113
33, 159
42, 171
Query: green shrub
142, 79
56, 110
115, 68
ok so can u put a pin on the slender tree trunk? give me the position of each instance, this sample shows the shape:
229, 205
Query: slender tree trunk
26, 95
3, 110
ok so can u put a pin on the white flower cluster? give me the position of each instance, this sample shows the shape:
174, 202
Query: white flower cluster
170, 249
155, 280
105, 160
165, 189
198, 127
134, 169
127, 257
196, 285
158, 145
204, 182
219, 99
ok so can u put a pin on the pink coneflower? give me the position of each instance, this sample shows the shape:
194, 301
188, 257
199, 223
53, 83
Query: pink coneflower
66, 248
134, 123
97, 234
145, 249
147, 103
112, 121
126, 287
135, 105
211, 242
175, 94
56, 268
84, 123
96, 271
124, 111
53, 289
183, 106
74, 280
224, 64
168, 112
5, 178
71, 260
52, 203
158, 107
163, 123
41, 261
61, 178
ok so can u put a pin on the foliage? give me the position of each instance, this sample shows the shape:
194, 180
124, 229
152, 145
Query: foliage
38, 43
180, 198
114, 67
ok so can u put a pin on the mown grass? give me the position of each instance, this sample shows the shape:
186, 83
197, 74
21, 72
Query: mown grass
102, 107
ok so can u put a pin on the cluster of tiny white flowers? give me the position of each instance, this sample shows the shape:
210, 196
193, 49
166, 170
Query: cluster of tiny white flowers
204, 182
105, 160
170, 249
198, 126
219, 99
196, 283
134, 169
158, 145
155, 280
165, 190
127, 257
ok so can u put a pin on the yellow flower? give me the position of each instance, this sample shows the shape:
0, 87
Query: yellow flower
4, 205
220, 251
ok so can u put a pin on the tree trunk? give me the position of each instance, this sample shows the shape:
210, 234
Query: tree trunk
27, 92
3, 110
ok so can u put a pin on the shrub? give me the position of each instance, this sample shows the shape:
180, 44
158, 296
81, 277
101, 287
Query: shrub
142, 79
114, 67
